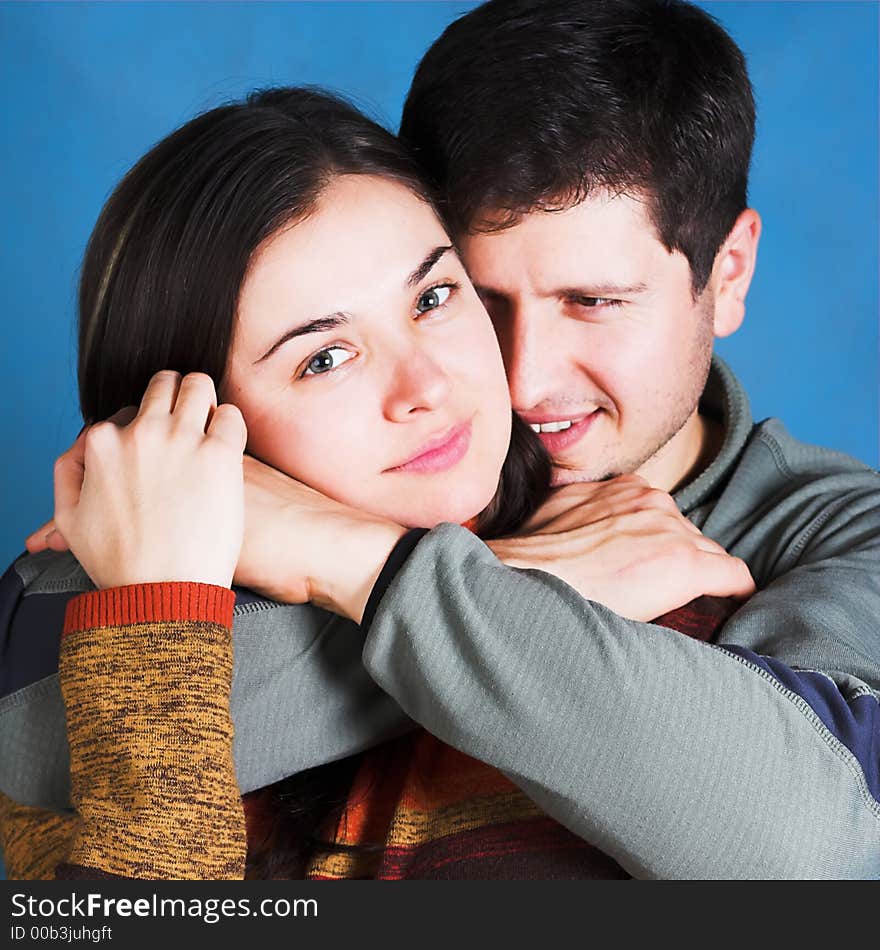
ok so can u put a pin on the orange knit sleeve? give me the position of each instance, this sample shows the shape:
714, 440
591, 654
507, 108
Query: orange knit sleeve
34, 840
146, 673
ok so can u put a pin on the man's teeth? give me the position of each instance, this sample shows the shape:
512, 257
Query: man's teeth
551, 426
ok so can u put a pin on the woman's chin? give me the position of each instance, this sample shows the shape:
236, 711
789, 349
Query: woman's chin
461, 510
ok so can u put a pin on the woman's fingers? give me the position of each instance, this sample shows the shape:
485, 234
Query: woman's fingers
124, 416
227, 424
36, 540
56, 541
187, 402
196, 402
72, 464
69, 471
46, 537
68, 480
160, 395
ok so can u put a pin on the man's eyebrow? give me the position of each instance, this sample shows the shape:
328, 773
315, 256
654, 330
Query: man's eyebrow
602, 288
321, 325
425, 267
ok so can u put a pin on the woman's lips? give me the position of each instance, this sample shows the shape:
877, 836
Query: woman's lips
558, 442
439, 454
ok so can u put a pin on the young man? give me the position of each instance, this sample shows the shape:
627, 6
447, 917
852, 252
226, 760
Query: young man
593, 159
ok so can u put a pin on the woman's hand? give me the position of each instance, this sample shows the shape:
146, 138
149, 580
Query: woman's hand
159, 498
626, 545
298, 544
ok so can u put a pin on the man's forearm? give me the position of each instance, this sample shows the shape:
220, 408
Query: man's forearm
346, 574
677, 758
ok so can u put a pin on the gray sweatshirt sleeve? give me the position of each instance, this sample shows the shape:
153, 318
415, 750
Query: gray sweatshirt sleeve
677, 758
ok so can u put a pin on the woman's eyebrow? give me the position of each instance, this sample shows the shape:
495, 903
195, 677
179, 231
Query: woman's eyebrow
338, 319
425, 267
321, 325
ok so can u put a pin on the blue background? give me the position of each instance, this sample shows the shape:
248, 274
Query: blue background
87, 88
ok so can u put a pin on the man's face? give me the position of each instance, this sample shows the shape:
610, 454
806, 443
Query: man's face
604, 345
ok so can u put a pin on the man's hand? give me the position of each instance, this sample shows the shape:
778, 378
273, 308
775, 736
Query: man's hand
301, 546
624, 544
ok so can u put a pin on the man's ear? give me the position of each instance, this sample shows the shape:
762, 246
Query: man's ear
732, 272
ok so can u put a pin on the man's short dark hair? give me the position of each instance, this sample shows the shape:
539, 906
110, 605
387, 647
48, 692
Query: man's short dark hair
526, 105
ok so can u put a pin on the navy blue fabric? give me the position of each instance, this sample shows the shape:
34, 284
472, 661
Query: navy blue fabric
31, 636
10, 592
856, 723
31, 627
30, 633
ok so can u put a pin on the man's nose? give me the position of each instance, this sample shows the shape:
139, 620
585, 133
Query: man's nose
418, 383
530, 358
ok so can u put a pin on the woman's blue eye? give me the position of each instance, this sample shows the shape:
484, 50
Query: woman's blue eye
433, 298
325, 360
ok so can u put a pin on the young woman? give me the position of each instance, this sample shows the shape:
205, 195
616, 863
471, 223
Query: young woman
280, 256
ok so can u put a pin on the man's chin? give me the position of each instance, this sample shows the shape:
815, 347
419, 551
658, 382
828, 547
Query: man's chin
575, 476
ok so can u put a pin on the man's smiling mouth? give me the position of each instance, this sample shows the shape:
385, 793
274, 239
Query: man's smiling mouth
551, 426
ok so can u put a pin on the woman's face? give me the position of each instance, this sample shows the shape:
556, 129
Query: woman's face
364, 363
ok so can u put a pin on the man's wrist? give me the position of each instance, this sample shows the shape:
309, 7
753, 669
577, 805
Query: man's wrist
344, 586
398, 557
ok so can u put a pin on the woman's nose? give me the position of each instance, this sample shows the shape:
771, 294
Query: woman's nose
418, 383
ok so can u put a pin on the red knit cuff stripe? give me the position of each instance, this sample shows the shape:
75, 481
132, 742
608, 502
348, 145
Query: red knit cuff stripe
150, 603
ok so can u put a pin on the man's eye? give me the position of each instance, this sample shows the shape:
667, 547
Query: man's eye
433, 298
591, 302
325, 360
